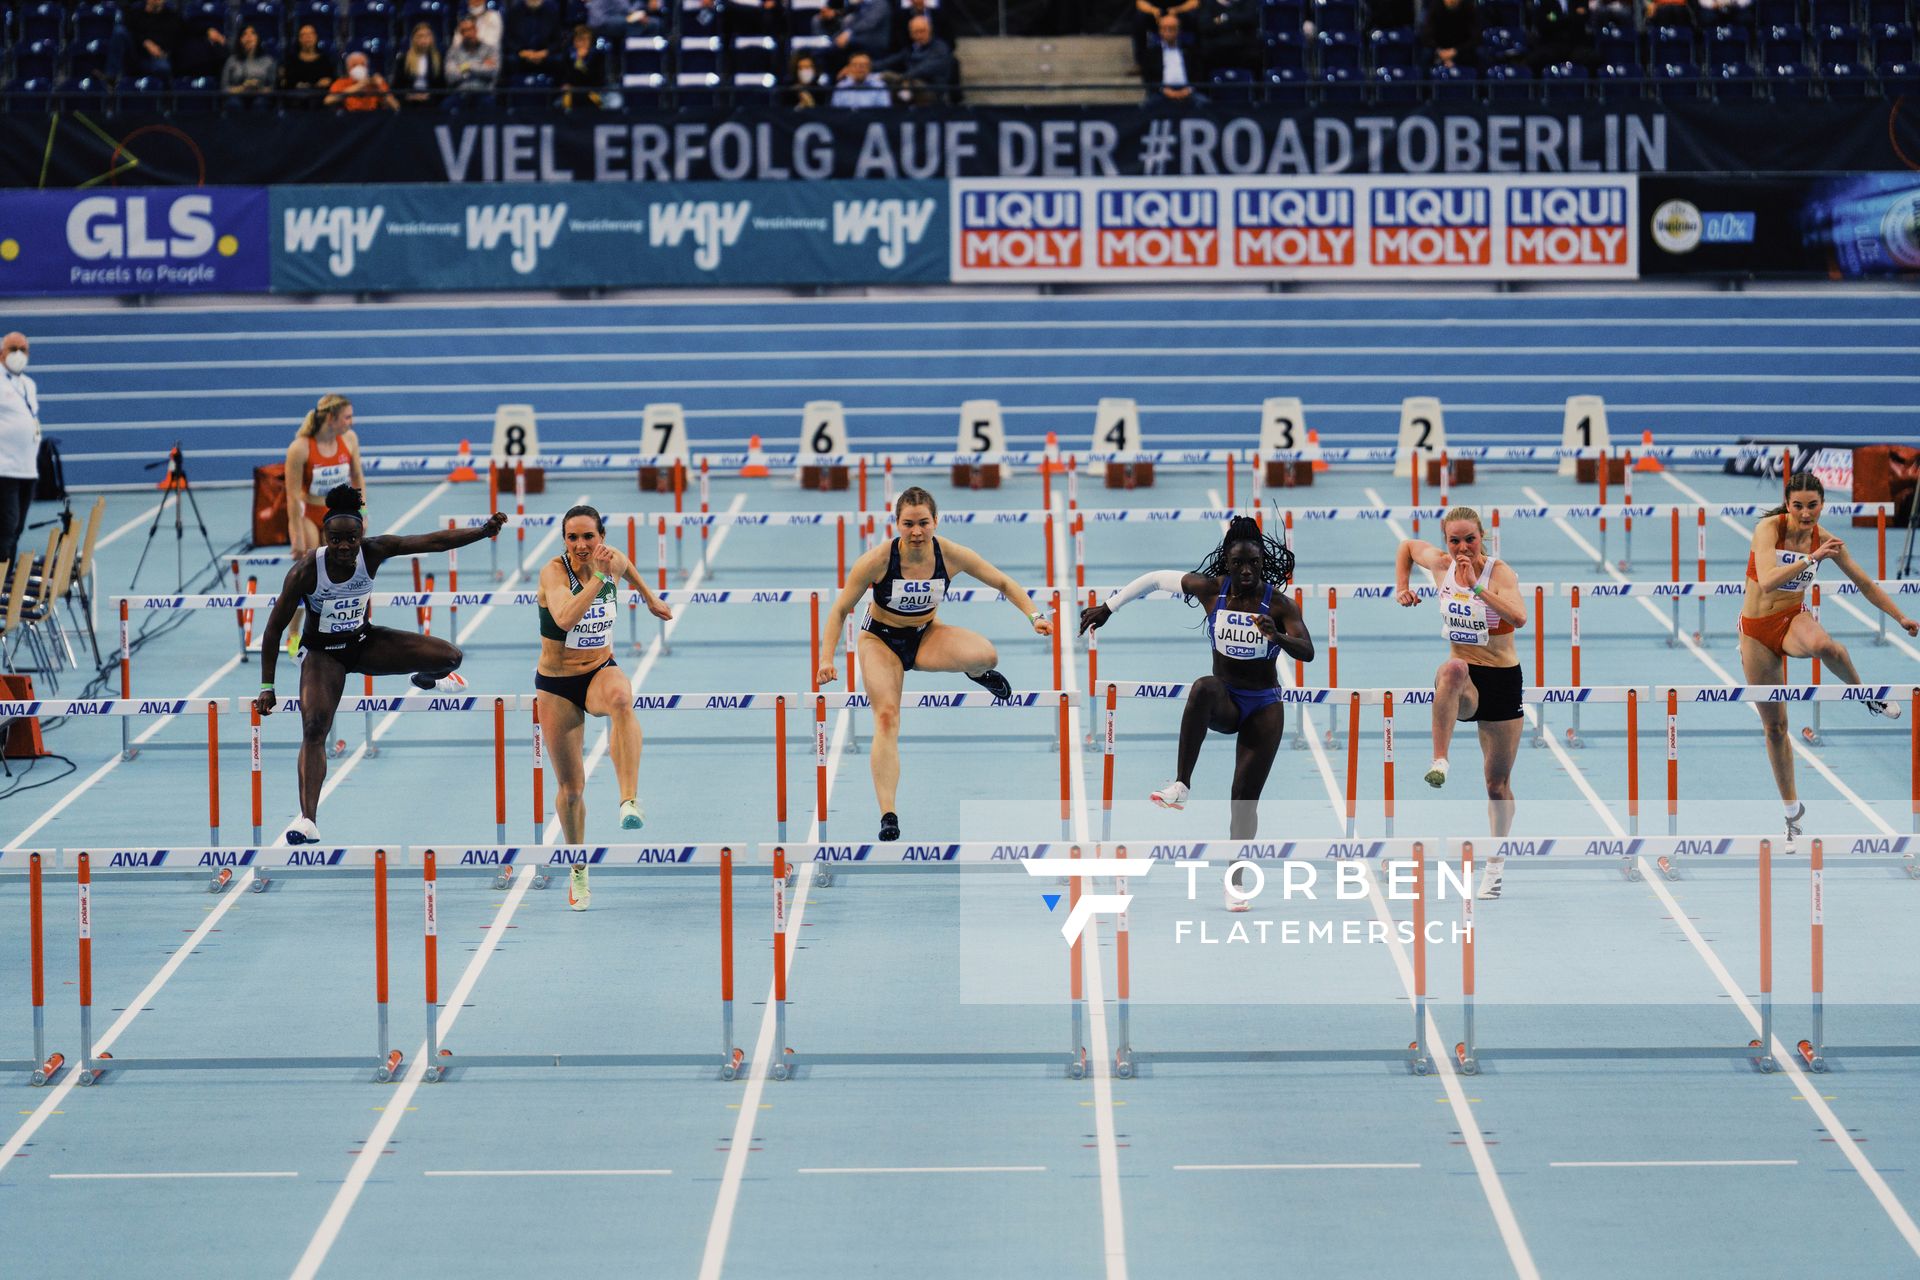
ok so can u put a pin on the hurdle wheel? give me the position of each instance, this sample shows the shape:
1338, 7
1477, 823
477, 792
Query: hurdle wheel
382, 1076
541, 880
1123, 1066
728, 1071
504, 879
781, 1071
337, 749
821, 876
259, 884
87, 1078
434, 1075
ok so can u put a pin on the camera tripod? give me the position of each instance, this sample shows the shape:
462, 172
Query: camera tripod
179, 493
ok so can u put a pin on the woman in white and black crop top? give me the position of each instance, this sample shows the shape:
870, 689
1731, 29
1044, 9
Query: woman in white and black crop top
908, 577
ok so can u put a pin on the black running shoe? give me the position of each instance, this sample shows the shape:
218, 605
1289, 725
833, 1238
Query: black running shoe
889, 826
994, 683
1798, 816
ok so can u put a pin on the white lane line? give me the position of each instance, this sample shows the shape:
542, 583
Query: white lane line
546, 1173
1686, 642
761, 355
713, 1258
1257, 1168
108, 539
1893, 634
1491, 1187
938, 1168
1113, 1225
522, 386
1787, 1060
130, 1177
1666, 1164
58, 1094
362, 1168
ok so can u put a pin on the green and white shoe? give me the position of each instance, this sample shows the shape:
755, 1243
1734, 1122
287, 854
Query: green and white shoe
578, 894
632, 816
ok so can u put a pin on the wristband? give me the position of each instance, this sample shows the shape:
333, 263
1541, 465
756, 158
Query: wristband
603, 577
266, 686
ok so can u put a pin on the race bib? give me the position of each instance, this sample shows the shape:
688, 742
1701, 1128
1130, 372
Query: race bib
1237, 635
343, 617
1801, 580
917, 595
595, 629
1463, 619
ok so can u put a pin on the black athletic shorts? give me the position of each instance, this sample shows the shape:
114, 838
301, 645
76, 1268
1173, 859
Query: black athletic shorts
904, 641
572, 688
1499, 690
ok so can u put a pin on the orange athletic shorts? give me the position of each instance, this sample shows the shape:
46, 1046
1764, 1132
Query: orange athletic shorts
1771, 630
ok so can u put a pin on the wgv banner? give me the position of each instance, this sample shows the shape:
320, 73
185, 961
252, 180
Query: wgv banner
553, 236
1562, 227
155, 240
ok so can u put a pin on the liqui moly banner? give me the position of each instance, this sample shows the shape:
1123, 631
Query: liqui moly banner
1469, 227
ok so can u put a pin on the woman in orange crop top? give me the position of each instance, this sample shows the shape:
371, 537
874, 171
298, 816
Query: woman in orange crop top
1775, 625
325, 452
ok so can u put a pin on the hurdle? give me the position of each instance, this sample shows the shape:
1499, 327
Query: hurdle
224, 868
1665, 853
1194, 856
44, 1066
1899, 851
542, 862
909, 858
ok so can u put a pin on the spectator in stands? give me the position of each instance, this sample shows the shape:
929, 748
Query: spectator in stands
1451, 33
803, 84
1230, 34
858, 88
533, 35
612, 21
1147, 29
251, 71
487, 22
145, 41
307, 73
19, 443
419, 74
362, 88
1170, 66
1719, 11
865, 26
925, 67
911, 9
1669, 13
1562, 32
584, 72
473, 65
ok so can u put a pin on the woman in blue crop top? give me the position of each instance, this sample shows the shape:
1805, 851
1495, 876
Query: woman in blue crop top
1250, 622
908, 576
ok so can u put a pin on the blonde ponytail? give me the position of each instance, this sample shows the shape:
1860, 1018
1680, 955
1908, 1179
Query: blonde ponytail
321, 414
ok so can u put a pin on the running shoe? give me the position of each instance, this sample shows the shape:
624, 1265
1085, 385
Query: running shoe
1236, 904
994, 683
1437, 776
578, 894
301, 831
632, 816
1794, 819
452, 682
1891, 710
889, 826
1172, 796
1490, 880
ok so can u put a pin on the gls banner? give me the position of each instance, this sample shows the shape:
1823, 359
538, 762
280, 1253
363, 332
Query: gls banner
160, 240
550, 236
1483, 227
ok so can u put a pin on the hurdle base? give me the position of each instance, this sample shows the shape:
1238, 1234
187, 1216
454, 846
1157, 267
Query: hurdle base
322, 1062
33, 1068
1741, 1053
968, 475
727, 1067
1867, 1051
1403, 1057
793, 1062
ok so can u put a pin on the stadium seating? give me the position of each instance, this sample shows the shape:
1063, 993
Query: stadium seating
1564, 82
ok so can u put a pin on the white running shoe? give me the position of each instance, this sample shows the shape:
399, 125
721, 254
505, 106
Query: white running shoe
452, 682
632, 816
1236, 904
1490, 879
578, 894
1891, 710
301, 831
1172, 796
1437, 775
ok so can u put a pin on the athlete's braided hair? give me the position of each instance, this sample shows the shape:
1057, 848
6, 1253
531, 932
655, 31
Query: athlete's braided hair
344, 500
1276, 560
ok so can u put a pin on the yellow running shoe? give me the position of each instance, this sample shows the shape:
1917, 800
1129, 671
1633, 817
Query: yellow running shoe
578, 894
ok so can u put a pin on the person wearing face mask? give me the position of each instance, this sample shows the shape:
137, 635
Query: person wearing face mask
19, 442
360, 89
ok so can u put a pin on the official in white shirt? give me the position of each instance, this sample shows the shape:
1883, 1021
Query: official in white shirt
19, 442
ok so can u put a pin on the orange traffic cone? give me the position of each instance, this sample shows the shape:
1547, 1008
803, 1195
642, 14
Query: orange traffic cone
756, 467
463, 465
1313, 443
1647, 461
